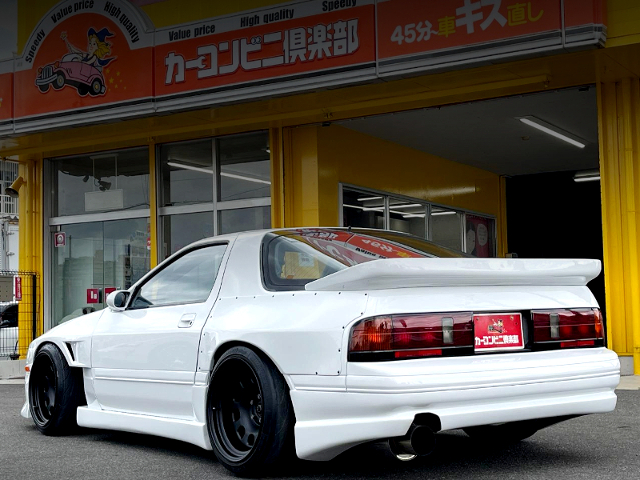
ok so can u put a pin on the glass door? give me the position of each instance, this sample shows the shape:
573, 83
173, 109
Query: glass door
93, 258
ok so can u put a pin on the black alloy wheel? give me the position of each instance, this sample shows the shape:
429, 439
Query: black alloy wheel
55, 391
43, 387
248, 412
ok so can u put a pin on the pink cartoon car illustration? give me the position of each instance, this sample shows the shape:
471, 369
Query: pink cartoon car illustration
71, 71
81, 70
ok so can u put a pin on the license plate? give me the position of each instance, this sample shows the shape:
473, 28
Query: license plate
496, 332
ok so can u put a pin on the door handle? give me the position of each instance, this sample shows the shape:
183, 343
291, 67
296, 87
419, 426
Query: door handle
186, 320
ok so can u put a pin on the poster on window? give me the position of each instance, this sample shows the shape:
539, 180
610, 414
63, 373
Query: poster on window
478, 235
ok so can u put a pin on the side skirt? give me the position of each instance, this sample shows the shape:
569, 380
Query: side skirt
183, 430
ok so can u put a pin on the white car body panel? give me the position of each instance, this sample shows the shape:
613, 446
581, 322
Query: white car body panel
142, 374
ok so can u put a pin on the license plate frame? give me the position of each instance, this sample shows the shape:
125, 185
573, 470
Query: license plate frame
498, 332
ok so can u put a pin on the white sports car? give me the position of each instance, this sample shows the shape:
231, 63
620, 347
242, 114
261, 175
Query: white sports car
256, 344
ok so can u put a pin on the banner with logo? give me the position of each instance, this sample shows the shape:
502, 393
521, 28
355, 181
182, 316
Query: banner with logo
86, 60
89, 61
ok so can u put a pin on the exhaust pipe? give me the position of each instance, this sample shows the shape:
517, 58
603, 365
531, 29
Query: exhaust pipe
420, 440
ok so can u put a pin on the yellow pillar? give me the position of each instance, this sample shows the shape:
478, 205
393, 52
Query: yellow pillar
619, 131
301, 189
153, 206
31, 248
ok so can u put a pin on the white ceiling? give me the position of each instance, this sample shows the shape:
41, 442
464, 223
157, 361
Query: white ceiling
488, 135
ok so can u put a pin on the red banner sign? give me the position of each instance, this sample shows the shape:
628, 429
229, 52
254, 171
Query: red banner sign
17, 287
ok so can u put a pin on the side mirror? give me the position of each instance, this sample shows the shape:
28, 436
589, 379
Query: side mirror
117, 300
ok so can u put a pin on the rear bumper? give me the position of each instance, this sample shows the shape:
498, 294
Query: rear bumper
380, 400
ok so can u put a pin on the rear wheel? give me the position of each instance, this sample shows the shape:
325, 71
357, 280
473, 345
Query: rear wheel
502, 433
55, 391
249, 414
96, 87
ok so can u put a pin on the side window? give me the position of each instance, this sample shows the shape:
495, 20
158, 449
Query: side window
189, 279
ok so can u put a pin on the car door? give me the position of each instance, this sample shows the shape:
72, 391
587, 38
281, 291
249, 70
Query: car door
144, 358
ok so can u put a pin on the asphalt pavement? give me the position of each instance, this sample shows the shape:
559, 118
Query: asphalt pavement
590, 447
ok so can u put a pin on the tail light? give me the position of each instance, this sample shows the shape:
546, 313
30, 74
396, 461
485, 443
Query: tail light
568, 328
411, 336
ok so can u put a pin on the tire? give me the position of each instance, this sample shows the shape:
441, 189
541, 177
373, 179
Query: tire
249, 414
59, 81
95, 87
55, 392
44, 88
504, 433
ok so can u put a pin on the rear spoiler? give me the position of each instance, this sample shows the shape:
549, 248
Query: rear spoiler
458, 272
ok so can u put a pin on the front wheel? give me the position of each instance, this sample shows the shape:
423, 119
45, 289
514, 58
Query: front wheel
504, 433
249, 413
55, 392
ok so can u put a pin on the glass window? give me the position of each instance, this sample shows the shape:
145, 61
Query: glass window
189, 279
244, 166
186, 172
101, 182
446, 227
181, 230
294, 258
407, 216
362, 209
239, 220
97, 256
479, 236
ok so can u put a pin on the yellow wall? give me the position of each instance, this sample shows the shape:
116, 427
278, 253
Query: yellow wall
323, 157
623, 22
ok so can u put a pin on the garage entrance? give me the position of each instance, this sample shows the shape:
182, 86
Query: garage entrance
543, 147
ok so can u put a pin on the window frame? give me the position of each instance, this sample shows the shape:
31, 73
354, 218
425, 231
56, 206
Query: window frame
170, 261
213, 207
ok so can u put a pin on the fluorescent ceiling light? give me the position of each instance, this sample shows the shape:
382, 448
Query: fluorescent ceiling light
190, 167
222, 174
414, 215
409, 205
365, 199
247, 179
587, 176
552, 130
445, 212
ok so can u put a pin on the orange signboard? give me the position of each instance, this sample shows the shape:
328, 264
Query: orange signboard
84, 63
279, 43
89, 61
84, 56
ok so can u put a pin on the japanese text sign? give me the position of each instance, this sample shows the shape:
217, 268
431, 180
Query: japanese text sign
441, 32
246, 50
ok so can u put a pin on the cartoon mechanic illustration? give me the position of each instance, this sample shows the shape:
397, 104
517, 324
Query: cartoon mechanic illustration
79, 69
497, 327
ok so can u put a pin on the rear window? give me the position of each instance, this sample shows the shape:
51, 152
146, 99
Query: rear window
293, 258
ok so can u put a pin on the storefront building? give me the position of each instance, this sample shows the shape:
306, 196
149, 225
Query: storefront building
143, 126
